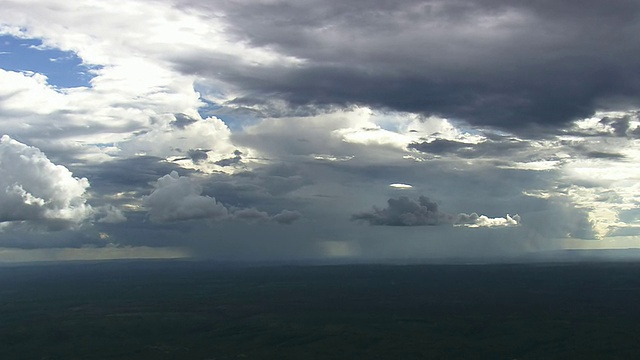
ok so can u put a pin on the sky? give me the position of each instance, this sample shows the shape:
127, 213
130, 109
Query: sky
294, 130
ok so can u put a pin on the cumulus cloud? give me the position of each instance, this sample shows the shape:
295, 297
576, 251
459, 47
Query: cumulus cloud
424, 212
475, 220
198, 144
34, 189
405, 212
111, 215
178, 198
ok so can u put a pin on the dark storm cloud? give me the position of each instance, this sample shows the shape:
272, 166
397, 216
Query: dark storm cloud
236, 159
603, 155
405, 212
593, 150
197, 155
622, 125
126, 174
499, 147
182, 121
439, 146
510, 64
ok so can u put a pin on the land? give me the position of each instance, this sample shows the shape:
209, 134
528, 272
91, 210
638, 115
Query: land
204, 310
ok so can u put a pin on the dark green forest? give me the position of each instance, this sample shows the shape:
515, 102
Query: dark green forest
200, 310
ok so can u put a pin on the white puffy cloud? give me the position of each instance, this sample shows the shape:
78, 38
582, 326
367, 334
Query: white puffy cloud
178, 198
192, 143
357, 134
19, 89
475, 220
34, 189
111, 215
133, 93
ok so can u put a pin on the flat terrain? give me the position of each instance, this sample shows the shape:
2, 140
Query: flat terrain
197, 310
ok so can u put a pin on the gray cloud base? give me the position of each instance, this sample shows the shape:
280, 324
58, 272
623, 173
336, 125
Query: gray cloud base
509, 64
405, 212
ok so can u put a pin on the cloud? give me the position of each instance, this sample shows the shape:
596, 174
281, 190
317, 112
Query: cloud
325, 108
251, 215
405, 212
400, 186
625, 125
499, 146
424, 212
133, 80
34, 189
111, 215
197, 155
265, 181
286, 217
619, 124
178, 198
198, 144
475, 220
498, 63
603, 155
236, 159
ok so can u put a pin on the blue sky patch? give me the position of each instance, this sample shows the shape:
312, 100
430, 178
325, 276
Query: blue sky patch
64, 69
234, 119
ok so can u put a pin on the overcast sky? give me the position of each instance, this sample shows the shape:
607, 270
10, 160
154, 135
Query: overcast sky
291, 130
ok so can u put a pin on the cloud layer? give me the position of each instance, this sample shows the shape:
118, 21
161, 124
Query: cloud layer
235, 117
502, 63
